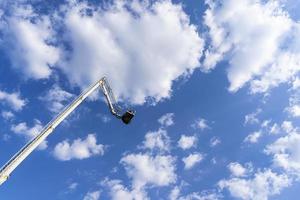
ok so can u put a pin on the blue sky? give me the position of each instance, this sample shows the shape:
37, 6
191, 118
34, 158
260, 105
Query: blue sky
214, 85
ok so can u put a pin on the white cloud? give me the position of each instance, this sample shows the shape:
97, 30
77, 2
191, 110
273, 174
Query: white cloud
275, 129
174, 194
73, 186
294, 104
78, 149
150, 169
263, 185
120, 192
286, 152
253, 137
145, 169
30, 52
157, 140
7, 115
155, 46
13, 100
259, 40
92, 195
237, 170
295, 110
200, 196
296, 83
283, 70
201, 123
187, 142
265, 123
56, 99
29, 132
167, 119
214, 141
287, 126
252, 117
205, 195
192, 159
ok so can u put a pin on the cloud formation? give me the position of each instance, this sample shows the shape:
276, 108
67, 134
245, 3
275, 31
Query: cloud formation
259, 187
253, 137
238, 170
205, 195
119, 191
201, 124
187, 142
145, 169
157, 140
258, 39
56, 98
13, 100
78, 149
167, 119
214, 141
92, 196
286, 152
192, 159
7, 115
141, 51
294, 100
30, 52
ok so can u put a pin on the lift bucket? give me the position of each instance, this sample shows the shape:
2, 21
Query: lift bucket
126, 117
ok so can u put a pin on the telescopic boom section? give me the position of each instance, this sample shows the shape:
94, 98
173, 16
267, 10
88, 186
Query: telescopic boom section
8, 168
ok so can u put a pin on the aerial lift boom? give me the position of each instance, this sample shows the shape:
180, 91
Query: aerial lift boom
8, 168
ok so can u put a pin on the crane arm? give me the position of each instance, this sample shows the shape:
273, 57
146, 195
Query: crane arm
114, 109
21, 155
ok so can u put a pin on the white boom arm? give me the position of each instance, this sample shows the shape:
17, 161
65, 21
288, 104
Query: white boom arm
8, 168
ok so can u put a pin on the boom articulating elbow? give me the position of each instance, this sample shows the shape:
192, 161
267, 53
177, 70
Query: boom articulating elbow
112, 104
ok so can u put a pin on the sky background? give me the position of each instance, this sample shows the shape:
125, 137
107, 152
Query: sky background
215, 86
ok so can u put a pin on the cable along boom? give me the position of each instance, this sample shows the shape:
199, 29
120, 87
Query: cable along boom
21, 155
